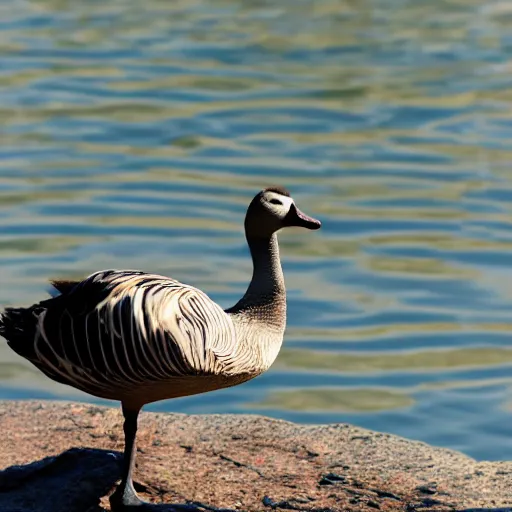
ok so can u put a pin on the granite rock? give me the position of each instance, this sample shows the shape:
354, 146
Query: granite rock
62, 456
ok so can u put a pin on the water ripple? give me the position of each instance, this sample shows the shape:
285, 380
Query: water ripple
133, 136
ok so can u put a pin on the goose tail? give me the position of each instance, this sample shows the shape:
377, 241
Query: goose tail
18, 326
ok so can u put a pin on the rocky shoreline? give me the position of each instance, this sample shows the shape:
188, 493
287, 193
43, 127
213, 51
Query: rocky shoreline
61, 456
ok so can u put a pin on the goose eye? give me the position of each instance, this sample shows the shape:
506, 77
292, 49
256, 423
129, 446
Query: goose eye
275, 201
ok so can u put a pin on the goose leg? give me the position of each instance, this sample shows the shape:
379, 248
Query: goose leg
125, 495
125, 498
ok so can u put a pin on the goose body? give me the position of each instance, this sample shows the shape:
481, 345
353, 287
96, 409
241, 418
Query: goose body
139, 338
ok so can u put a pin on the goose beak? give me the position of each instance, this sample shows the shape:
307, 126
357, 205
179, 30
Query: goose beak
295, 217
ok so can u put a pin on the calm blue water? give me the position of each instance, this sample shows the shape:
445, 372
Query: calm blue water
134, 135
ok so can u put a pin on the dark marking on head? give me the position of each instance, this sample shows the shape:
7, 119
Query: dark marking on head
278, 190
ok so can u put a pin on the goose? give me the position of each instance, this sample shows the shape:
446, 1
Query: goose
138, 338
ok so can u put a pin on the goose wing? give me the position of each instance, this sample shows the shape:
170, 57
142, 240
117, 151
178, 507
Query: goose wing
122, 328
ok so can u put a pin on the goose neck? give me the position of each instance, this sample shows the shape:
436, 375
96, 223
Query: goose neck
265, 298
267, 278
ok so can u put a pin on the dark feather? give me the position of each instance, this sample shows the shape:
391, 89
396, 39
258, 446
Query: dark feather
63, 286
18, 327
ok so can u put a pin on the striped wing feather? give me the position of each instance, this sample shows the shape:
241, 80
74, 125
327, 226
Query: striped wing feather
123, 328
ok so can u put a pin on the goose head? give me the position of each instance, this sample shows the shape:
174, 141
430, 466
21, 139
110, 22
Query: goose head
273, 209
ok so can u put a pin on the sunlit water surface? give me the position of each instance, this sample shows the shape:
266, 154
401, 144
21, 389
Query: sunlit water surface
135, 133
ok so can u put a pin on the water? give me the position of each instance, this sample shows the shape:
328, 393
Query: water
134, 134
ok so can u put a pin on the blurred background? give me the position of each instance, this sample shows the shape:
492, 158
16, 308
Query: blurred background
134, 134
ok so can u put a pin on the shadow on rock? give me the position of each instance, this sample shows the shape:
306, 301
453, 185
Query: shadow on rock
75, 481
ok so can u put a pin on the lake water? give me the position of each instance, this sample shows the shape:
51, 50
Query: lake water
135, 133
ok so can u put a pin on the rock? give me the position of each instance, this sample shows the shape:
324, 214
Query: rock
65, 457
